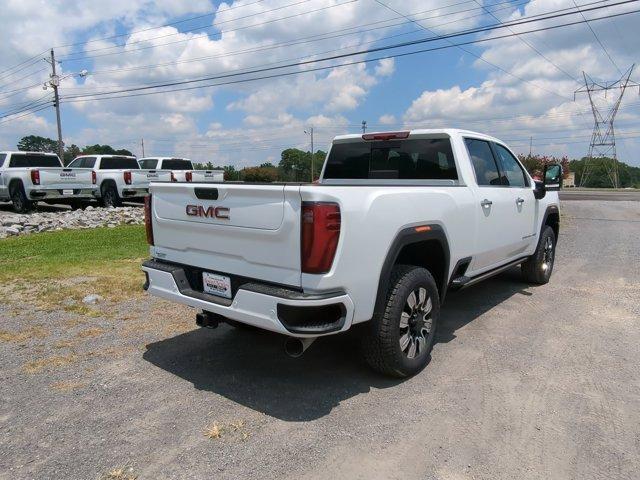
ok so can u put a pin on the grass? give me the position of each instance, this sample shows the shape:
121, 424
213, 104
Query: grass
57, 269
69, 253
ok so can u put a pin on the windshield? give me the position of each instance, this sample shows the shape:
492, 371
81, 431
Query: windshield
148, 164
177, 164
119, 163
22, 160
420, 159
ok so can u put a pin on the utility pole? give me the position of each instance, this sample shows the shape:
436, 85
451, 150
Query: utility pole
364, 126
530, 145
310, 133
602, 148
55, 82
143, 148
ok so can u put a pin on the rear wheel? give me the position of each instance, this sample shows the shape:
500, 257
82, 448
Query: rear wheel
110, 197
21, 204
399, 340
539, 266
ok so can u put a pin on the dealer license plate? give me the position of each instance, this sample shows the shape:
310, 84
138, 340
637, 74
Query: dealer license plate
215, 284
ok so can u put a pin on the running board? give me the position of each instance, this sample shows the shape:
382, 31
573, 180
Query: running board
464, 281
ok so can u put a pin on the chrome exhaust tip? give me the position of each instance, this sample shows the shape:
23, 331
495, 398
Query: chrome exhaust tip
295, 347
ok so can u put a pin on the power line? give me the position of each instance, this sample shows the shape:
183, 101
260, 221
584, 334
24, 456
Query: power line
295, 58
12, 117
327, 36
598, 39
171, 24
327, 7
528, 44
346, 55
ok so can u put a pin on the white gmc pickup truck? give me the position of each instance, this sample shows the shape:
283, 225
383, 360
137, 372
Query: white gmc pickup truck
181, 169
29, 177
117, 177
397, 219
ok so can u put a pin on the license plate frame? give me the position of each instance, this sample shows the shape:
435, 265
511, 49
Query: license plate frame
67, 192
216, 284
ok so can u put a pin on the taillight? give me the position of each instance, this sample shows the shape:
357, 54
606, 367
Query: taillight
147, 219
94, 177
127, 178
35, 177
173, 177
320, 234
188, 176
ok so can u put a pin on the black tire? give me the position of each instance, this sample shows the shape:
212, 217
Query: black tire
538, 268
21, 204
110, 197
381, 342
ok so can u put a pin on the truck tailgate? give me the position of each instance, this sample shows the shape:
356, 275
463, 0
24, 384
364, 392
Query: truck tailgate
242, 230
65, 178
153, 176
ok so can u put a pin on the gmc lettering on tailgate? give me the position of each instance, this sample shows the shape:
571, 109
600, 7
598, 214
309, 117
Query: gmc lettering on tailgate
209, 212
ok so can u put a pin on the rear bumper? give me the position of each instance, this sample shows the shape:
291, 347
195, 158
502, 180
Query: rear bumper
273, 308
58, 194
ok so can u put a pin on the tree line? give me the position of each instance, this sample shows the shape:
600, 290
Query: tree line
295, 164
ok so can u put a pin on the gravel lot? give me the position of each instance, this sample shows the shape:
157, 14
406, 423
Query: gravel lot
525, 383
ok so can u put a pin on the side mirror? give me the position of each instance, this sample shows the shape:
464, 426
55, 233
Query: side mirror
553, 177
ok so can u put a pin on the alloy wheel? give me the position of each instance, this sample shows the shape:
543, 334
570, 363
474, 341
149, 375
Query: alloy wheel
416, 323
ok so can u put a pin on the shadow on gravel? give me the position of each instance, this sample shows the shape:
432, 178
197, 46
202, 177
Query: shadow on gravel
250, 368
466, 305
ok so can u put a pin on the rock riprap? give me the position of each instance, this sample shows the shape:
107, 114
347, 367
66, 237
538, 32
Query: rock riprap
91, 217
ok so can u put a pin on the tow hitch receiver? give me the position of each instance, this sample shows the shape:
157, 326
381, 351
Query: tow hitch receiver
208, 319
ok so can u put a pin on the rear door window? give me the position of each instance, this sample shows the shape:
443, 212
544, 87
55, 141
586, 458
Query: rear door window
149, 163
119, 163
483, 162
27, 160
413, 159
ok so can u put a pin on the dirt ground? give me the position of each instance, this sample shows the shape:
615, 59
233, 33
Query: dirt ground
524, 383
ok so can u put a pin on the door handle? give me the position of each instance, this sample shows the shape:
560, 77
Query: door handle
519, 200
486, 203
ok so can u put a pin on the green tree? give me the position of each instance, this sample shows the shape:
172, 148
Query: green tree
628, 176
295, 165
260, 174
70, 153
35, 143
98, 149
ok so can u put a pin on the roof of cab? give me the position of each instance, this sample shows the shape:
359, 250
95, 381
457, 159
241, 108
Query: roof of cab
11, 152
450, 132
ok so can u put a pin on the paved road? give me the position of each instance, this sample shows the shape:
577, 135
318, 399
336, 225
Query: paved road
525, 383
602, 195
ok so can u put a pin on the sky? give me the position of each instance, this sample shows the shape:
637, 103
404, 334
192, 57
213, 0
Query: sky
519, 88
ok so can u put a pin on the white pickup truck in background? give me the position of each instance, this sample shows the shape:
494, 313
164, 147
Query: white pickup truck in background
397, 220
117, 177
181, 169
30, 177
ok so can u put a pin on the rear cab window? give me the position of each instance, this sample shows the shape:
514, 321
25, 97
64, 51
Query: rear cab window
177, 164
3, 156
149, 163
84, 162
397, 159
119, 163
29, 160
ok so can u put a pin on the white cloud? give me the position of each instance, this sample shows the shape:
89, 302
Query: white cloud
387, 119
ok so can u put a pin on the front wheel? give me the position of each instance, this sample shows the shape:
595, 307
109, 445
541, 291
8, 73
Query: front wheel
399, 340
537, 269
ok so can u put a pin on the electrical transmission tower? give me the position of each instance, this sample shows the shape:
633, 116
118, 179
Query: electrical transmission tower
602, 149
